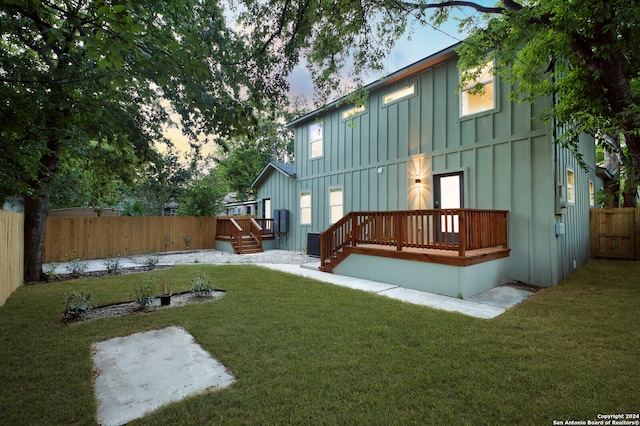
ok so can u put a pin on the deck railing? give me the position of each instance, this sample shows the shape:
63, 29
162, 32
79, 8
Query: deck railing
458, 230
248, 225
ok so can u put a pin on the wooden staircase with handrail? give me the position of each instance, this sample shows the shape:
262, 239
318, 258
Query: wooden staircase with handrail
244, 234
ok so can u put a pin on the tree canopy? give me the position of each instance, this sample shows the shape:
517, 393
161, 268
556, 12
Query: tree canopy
583, 53
81, 72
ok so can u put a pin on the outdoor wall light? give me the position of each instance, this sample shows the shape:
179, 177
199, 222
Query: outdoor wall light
418, 180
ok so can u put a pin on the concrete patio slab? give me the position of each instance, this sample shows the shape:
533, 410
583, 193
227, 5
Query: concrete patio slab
139, 373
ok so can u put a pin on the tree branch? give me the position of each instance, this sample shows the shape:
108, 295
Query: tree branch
499, 10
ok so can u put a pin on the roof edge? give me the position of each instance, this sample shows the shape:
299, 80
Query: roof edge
417, 66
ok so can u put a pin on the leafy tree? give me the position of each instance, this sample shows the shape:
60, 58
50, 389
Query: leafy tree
77, 72
91, 177
162, 180
581, 52
203, 196
244, 158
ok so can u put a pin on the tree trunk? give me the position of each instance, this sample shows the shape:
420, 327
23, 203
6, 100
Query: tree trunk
35, 211
35, 217
632, 166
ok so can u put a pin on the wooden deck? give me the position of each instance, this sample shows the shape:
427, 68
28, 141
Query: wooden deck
444, 257
459, 237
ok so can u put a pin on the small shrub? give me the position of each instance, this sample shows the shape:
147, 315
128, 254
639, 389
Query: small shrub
152, 259
77, 303
201, 286
187, 240
76, 267
112, 263
49, 272
144, 293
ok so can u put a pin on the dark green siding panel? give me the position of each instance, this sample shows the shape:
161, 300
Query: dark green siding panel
402, 187
392, 188
402, 139
484, 178
364, 190
468, 160
520, 117
520, 212
440, 109
452, 106
502, 176
393, 123
365, 138
453, 160
468, 132
484, 128
543, 229
413, 128
439, 164
427, 112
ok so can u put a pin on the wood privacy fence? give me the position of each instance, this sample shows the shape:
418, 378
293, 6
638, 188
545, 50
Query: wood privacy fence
11, 253
102, 237
615, 233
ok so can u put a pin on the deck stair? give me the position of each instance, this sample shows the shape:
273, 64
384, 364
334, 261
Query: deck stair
244, 234
249, 245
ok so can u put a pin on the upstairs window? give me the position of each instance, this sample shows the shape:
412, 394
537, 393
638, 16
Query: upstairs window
478, 94
571, 186
352, 112
315, 140
399, 94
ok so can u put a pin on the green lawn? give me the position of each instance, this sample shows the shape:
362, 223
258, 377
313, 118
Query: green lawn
305, 352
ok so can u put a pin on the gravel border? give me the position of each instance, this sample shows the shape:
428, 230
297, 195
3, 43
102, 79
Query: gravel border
221, 257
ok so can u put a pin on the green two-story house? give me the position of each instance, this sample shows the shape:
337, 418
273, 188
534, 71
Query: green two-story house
433, 187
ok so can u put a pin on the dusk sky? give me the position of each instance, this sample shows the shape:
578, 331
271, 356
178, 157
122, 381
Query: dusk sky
424, 41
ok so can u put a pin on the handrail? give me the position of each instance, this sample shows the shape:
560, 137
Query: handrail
458, 230
236, 233
266, 225
256, 231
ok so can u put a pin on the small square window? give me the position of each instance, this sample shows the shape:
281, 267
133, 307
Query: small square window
477, 94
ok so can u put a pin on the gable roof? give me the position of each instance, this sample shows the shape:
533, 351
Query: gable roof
289, 170
414, 68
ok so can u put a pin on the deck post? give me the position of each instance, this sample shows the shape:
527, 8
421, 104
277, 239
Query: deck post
398, 230
462, 232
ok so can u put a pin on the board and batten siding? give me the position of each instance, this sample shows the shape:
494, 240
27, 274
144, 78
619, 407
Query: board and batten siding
506, 156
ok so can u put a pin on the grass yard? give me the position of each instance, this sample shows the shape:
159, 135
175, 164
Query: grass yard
305, 352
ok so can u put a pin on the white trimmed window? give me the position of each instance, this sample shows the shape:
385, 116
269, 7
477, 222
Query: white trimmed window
336, 210
315, 140
592, 194
478, 94
399, 94
305, 208
352, 112
571, 186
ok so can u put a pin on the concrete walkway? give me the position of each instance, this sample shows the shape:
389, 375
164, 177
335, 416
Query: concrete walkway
485, 305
